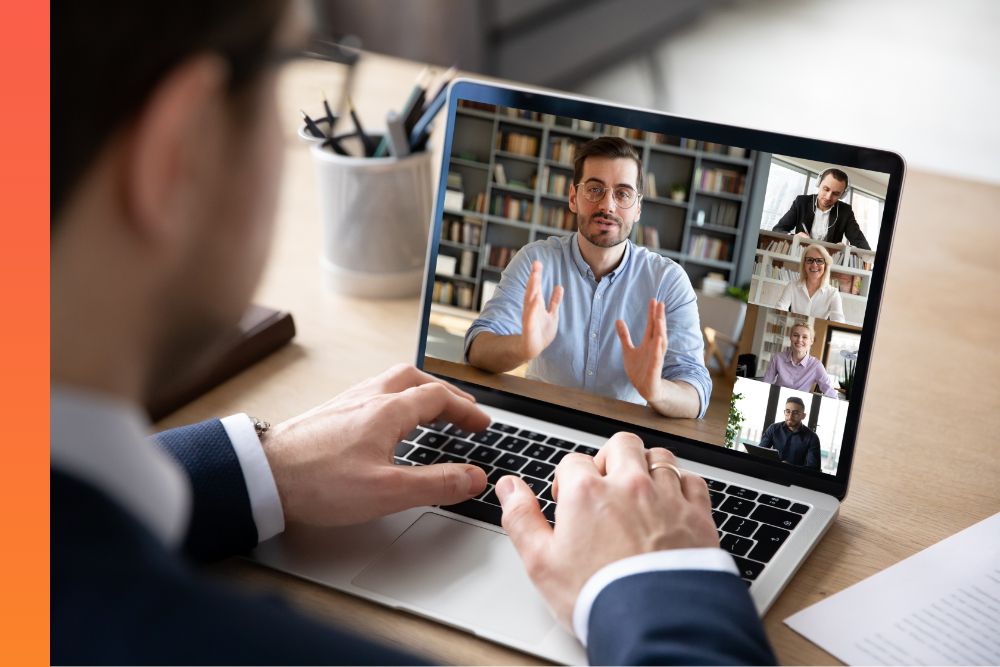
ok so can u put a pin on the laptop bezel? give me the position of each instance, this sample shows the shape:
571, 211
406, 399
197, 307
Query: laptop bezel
599, 111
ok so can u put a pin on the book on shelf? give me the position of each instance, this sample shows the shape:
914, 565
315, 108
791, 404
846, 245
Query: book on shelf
647, 236
562, 149
523, 114
847, 284
463, 296
723, 213
512, 207
454, 198
556, 183
445, 265
558, 217
518, 143
480, 205
478, 106
499, 256
707, 247
467, 264
472, 230
651, 185
499, 175
717, 179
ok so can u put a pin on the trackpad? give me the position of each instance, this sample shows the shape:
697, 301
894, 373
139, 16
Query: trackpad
461, 574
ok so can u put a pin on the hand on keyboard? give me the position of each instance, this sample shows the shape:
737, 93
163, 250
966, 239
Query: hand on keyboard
610, 507
334, 465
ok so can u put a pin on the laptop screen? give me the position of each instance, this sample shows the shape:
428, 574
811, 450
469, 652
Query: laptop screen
653, 273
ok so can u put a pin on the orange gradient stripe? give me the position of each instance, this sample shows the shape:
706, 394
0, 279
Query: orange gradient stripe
24, 336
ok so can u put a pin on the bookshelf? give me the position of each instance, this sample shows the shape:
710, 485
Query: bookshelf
777, 261
771, 336
510, 173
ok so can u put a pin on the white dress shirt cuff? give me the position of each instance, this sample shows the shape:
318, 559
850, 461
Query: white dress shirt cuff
264, 501
710, 559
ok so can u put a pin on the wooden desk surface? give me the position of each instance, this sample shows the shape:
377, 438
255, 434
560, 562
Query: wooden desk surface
926, 464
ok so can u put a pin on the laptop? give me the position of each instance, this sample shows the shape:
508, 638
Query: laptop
712, 197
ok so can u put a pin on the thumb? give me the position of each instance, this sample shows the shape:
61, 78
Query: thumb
523, 519
437, 484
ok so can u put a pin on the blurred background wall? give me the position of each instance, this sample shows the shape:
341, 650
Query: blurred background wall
921, 77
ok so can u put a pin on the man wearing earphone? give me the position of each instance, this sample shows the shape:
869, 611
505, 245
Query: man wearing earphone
823, 216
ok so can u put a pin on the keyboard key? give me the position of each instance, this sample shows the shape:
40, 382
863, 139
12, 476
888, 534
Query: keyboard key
716, 498
512, 444
540, 452
737, 506
738, 546
491, 497
557, 457
450, 458
402, 462
550, 512
748, 568
414, 434
536, 485
402, 448
486, 437
511, 462
430, 439
714, 484
438, 425
422, 455
775, 517
531, 435
546, 494
494, 476
740, 492
459, 447
774, 501
559, 442
740, 526
457, 432
476, 509
799, 508
504, 428
539, 470
768, 539
584, 449
484, 454
719, 518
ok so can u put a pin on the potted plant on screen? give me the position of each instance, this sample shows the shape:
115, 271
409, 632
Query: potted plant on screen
850, 362
735, 422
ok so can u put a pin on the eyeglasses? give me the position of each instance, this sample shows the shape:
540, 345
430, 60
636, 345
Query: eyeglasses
793, 412
624, 196
815, 260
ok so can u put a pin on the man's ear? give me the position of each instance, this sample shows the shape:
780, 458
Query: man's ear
572, 198
172, 133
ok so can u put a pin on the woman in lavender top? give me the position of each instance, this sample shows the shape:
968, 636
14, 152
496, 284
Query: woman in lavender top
795, 368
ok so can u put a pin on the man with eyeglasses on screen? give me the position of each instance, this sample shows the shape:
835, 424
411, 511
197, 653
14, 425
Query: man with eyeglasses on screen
602, 289
796, 443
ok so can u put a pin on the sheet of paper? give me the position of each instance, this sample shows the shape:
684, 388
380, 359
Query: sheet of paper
938, 607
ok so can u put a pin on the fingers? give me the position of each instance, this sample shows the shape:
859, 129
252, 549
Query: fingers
650, 320
438, 484
573, 468
666, 479
523, 520
557, 295
534, 286
428, 402
623, 335
404, 376
696, 491
661, 321
623, 452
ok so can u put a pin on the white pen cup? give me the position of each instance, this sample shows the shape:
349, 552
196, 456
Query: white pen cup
376, 217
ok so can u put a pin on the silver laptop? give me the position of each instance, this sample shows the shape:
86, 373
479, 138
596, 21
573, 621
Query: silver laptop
727, 205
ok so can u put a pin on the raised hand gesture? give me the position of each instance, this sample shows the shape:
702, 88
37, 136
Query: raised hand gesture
539, 323
644, 364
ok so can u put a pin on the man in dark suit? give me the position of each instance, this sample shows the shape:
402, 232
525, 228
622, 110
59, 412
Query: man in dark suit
796, 443
168, 146
823, 216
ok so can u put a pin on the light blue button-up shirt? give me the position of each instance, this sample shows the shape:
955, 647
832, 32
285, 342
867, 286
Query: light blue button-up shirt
586, 353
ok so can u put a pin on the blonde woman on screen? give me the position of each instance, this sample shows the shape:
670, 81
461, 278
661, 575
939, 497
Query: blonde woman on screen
811, 294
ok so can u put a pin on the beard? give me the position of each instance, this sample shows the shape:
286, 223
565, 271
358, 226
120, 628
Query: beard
603, 237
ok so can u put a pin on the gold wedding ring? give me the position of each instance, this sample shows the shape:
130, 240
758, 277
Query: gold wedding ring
669, 466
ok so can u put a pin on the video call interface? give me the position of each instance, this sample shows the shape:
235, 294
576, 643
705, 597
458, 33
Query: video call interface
699, 289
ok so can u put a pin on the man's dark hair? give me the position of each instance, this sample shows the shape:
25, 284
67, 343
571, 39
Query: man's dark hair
797, 401
837, 174
107, 57
607, 147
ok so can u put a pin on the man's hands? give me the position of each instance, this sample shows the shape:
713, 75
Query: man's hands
538, 323
334, 464
644, 364
609, 507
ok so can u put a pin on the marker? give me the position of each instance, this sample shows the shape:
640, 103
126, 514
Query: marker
312, 127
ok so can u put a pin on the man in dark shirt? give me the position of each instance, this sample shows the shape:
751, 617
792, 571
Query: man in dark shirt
796, 443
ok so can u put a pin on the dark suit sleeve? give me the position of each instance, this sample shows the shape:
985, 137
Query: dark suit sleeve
765, 440
221, 518
853, 231
813, 456
789, 221
687, 617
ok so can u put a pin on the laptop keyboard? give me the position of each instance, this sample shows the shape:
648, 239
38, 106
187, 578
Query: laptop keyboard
752, 526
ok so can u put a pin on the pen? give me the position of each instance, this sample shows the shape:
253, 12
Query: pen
312, 127
329, 112
365, 139
421, 129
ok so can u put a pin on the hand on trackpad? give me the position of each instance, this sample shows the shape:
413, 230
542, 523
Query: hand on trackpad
453, 570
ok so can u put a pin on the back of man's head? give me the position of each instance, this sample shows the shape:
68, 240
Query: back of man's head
108, 57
